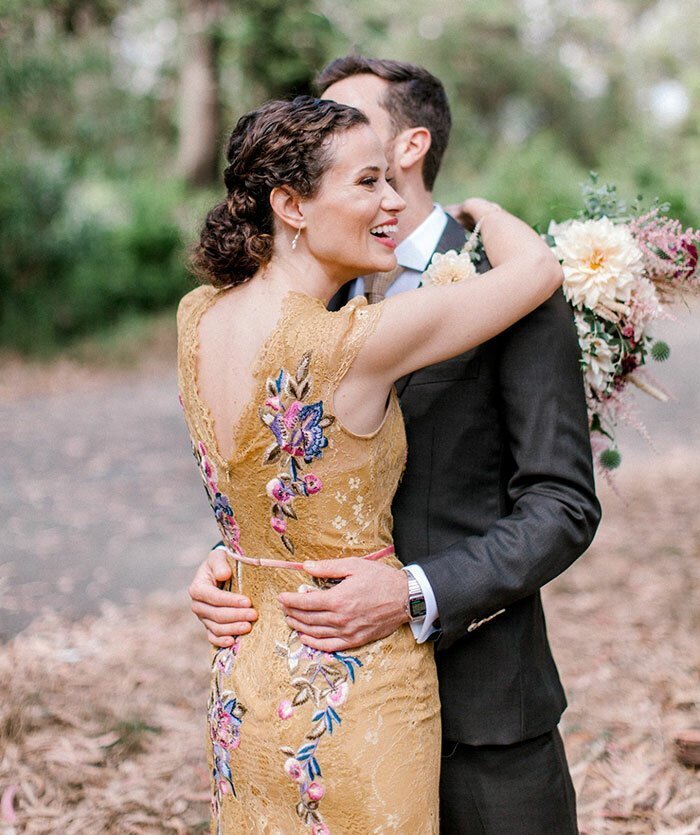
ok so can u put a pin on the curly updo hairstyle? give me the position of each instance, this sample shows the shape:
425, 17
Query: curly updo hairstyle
282, 143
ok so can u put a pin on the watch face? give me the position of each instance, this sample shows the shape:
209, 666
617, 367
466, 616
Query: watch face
417, 607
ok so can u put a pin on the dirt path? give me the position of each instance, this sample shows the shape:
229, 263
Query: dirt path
99, 498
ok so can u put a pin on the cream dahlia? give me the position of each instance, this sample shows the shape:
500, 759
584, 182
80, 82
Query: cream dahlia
450, 268
601, 263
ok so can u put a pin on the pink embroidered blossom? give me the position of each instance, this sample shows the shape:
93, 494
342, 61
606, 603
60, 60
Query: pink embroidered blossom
315, 791
338, 694
294, 769
277, 524
285, 709
312, 483
320, 829
274, 403
279, 490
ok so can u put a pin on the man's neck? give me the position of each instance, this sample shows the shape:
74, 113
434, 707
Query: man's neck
419, 204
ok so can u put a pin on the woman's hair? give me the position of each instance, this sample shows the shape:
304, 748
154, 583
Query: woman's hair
283, 143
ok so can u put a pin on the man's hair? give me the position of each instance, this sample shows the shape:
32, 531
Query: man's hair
414, 98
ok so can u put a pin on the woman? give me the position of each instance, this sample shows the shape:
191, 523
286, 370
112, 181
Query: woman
300, 443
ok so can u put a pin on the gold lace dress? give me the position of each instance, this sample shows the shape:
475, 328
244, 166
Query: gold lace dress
303, 741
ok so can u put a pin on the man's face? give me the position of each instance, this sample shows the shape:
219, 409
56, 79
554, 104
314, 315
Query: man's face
365, 92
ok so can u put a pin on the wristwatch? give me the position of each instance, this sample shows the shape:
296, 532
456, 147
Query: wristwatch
415, 607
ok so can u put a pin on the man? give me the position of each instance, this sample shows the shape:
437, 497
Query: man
496, 500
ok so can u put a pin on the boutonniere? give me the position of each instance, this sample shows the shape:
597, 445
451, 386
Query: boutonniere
453, 266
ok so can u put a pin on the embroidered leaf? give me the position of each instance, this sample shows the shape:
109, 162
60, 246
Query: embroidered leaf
334, 715
317, 715
350, 670
303, 367
280, 649
326, 420
287, 387
293, 389
303, 390
316, 766
311, 806
298, 487
271, 387
285, 749
301, 697
315, 817
318, 729
305, 751
299, 682
266, 417
272, 452
287, 542
288, 509
301, 811
310, 770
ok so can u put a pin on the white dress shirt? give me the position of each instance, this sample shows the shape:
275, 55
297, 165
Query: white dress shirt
414, 255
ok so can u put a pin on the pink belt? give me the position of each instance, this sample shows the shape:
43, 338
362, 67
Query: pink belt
299, 566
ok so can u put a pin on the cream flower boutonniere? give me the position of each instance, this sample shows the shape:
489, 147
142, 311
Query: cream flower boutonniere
453, 266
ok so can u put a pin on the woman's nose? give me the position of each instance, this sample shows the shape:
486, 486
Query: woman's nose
392, 201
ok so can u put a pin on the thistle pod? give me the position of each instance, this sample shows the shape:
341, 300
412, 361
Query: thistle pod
660, 351
610, 459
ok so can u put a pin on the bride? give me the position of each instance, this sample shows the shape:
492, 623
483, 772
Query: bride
299, 439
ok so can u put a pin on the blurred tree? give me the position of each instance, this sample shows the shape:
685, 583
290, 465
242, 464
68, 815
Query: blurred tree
199, 105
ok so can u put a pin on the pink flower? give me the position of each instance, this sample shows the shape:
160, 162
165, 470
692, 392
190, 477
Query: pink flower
279, 491
291, 415
274, 403
223, 786
628, 331
338, 694
294, 769
320, 829
285, 709
312, 483
234, 742
315, 791
278, 525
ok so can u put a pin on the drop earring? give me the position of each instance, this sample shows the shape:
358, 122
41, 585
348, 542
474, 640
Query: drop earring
295, 240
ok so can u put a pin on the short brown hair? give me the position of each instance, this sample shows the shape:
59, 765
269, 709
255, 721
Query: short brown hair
415, 98
280, 143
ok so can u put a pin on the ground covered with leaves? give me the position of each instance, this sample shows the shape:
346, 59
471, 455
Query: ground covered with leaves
102, 721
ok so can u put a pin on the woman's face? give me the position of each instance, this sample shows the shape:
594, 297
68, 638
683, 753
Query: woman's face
351, 223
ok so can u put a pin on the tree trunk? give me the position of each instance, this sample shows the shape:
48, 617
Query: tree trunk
200, 110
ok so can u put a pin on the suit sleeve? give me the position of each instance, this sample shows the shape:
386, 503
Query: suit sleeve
553, 508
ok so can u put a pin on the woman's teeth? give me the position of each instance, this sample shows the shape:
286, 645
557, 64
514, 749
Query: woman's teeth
383, 231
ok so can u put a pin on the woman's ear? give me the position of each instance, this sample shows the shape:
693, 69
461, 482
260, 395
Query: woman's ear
286, 204
411, 146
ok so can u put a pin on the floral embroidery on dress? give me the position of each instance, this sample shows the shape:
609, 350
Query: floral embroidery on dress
230, 531
299, 438
325, 681
225, 714
360, 514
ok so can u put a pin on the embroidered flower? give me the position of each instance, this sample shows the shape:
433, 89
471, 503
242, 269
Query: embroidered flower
320, 829
225, 715
294, 769
325, 676
312, 483
298, 429
220, 504
278, 524
285, 709
338, 694
315, 791
280, 489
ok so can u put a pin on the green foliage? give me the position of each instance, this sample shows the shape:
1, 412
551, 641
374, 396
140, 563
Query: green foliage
67, 268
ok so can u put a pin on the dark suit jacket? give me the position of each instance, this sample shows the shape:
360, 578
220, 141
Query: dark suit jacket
496, 500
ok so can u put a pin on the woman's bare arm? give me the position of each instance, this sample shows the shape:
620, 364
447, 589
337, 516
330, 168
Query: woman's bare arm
426, 326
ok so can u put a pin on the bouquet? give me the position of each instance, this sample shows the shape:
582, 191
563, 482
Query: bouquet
622, 266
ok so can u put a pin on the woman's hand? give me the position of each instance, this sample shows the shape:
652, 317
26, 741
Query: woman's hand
472, 210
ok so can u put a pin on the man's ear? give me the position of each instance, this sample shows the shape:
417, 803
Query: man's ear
286, 205
411, 146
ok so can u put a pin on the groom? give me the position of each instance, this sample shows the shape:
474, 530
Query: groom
496, 500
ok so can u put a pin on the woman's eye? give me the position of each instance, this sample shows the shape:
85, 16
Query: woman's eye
368, 181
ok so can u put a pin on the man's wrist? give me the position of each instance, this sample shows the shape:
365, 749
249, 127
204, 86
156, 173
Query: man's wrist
415, 606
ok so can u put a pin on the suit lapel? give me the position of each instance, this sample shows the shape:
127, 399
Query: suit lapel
453, 237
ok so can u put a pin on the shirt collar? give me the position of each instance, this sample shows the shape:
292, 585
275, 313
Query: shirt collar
415, 252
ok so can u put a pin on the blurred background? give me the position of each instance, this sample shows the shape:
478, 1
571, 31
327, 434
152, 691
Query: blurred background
113, 116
